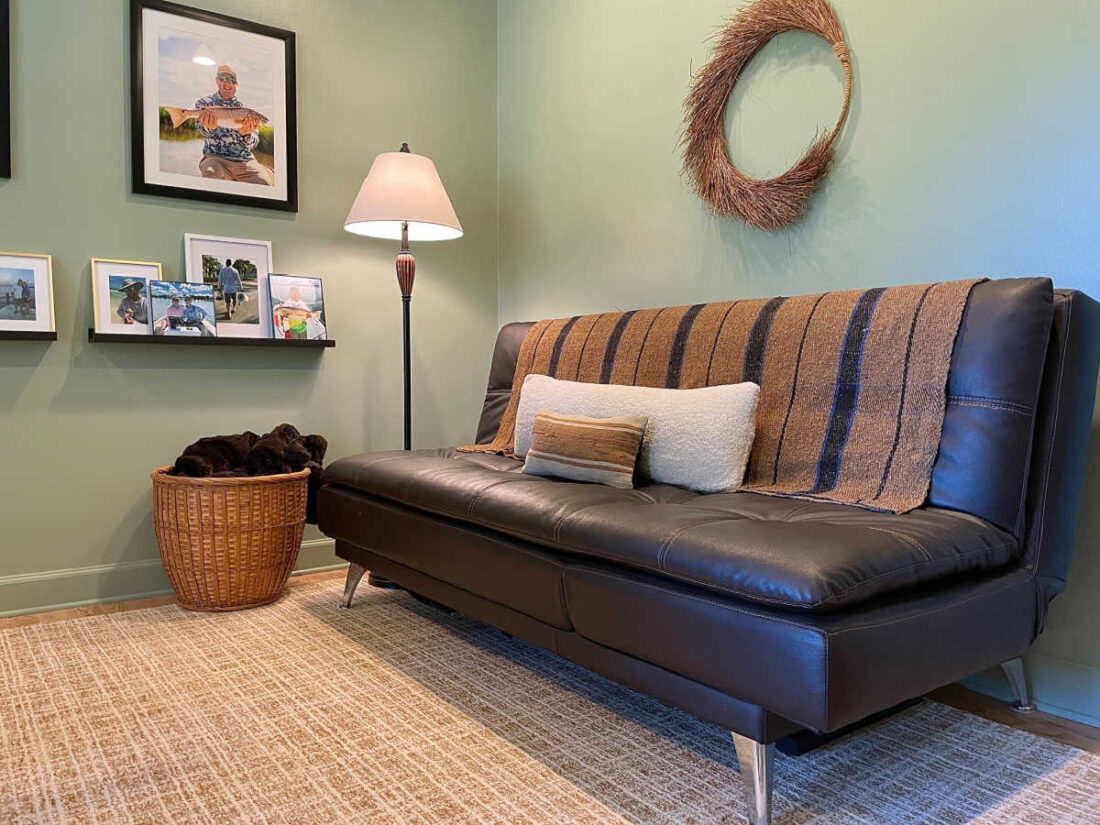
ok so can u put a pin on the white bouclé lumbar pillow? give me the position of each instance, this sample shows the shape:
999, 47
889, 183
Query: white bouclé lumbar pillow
699, 439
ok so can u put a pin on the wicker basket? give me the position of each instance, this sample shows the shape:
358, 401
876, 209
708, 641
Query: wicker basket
228, 543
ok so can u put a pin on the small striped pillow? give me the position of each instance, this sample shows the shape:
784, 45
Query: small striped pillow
579, 448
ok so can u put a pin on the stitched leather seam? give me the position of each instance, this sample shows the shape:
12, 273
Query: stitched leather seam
561, 521
992, 403
798, 509
912, 542
663, 552
412, 481
359, 470
483, 491
405, 490
951, 606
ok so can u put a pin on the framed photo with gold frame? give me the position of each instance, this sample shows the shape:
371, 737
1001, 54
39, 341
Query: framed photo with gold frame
26, 292
120, 295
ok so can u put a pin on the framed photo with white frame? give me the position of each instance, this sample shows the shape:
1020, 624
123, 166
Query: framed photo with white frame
237, 269
26, 292
213, 107
120, 295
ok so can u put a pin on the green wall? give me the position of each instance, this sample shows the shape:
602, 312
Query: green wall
970, 150
81, 425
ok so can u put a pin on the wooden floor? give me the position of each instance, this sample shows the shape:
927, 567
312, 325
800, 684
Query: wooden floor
1067, 731
137, 604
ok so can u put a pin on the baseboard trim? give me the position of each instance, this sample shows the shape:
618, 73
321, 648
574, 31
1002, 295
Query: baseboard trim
74, 572
64, 588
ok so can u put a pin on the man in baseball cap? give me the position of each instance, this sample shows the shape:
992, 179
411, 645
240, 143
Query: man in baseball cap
227, 153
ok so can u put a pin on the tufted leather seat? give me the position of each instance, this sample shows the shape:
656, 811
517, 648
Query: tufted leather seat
773, 551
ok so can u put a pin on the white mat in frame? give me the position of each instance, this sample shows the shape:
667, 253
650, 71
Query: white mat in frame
222, 249
105, 269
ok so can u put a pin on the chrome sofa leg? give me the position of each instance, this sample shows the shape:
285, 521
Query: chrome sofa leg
1021, 686
355, 573
756, 775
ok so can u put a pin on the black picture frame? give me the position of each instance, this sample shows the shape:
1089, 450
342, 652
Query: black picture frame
5, 89
139, 184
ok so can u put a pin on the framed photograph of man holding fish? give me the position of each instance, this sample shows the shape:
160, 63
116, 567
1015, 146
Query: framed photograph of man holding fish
213, 107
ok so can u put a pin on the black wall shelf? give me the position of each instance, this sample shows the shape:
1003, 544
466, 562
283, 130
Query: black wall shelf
26, 335
279, 343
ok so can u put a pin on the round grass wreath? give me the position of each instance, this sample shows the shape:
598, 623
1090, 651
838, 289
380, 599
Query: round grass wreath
767, 204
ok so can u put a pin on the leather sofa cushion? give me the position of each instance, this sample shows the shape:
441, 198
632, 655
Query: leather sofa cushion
808, 556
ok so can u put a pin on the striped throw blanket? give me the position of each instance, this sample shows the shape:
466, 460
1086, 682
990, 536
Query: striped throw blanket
852, 384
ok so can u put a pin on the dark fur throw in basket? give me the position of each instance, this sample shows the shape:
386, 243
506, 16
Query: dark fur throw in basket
283, 450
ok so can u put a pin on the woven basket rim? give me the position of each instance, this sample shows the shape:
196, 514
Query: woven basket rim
161, 474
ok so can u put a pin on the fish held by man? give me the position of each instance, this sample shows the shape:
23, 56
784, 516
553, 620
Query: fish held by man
228, 117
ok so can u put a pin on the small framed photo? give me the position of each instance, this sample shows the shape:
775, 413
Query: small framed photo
180, 308
26, 292
120, 296
297, 307
212, 107
237, 269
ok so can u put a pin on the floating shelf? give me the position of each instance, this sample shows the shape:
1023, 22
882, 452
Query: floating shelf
283, 343
26, 335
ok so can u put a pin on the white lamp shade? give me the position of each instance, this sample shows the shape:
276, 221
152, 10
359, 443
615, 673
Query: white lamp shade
400, 187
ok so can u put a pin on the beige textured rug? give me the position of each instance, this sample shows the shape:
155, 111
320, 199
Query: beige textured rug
300, 713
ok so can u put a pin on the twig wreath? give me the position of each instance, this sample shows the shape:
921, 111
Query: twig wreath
767, 204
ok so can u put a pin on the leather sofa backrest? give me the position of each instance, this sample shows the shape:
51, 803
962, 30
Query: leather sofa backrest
501, 373
1013, 332
1061, 437
992, 392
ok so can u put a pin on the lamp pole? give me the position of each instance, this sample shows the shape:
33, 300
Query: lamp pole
406, 272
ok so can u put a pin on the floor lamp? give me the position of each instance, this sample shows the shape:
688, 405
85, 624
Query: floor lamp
403, 199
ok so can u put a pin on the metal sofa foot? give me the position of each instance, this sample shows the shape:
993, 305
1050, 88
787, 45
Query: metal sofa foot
355, 573
1020, 684
756, 762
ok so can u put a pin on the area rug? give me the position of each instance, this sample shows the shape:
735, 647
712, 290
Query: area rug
395, 713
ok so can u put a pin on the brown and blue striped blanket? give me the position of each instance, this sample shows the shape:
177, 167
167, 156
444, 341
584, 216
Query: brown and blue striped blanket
852, 384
